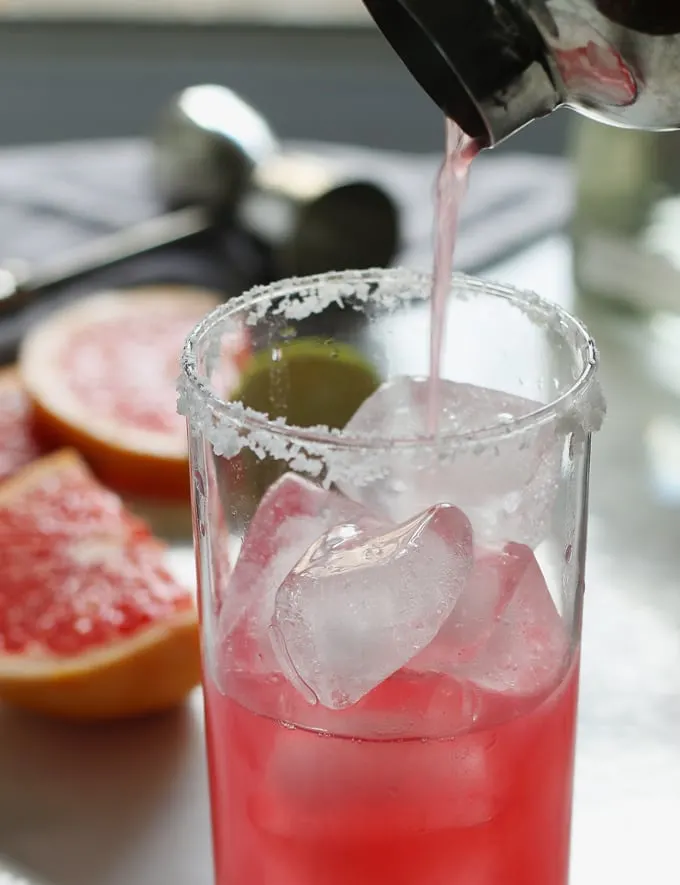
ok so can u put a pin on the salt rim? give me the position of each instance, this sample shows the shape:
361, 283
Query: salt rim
230, 426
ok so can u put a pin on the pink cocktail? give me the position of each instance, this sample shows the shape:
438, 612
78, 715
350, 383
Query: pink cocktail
391, 616
295, 807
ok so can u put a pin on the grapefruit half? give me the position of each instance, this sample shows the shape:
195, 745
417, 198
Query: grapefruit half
18, 443
92, 623
102, 376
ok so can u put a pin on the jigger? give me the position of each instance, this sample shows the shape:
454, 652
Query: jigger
212, 149
316, 216
216, 161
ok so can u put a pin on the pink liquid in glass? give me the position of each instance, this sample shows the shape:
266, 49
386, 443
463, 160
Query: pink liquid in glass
485, 805
455, 770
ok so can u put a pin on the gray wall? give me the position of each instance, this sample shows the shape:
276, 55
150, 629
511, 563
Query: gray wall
64, 81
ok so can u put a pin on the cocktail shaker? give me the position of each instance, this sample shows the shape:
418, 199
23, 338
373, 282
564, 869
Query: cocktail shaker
495, 65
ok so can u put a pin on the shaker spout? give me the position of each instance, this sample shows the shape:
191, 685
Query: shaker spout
484, 62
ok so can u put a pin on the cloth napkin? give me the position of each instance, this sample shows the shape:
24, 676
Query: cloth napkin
57, 197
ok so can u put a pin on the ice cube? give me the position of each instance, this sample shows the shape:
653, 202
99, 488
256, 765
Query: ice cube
366, 598
328, 787
482, 602
527, 647
506, 489
292, 515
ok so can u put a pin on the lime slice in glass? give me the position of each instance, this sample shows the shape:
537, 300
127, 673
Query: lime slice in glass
307, 381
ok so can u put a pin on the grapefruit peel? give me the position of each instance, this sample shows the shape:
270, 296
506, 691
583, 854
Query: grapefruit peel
79, 382
151, 670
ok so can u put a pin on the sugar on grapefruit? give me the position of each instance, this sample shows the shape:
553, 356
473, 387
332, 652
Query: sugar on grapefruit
93, 625
102, 375
18, 443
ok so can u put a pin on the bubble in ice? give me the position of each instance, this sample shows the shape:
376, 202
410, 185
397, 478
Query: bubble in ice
507, 488
365, 598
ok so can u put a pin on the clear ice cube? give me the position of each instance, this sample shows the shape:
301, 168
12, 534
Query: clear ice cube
505, 636
292, 514
481, 604
325, 786
366, 598
506, 489
527, 647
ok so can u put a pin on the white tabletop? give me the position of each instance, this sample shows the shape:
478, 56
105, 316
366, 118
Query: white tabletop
127, 805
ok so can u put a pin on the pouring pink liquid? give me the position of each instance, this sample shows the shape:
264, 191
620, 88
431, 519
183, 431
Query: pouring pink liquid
451, 187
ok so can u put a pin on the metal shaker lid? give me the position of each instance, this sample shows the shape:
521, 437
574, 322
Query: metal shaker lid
484, 62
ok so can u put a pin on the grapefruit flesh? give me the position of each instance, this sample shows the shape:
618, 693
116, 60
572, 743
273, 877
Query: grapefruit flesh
18, 443
92, 623
102, 377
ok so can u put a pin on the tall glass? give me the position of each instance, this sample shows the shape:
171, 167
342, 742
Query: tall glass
391, 580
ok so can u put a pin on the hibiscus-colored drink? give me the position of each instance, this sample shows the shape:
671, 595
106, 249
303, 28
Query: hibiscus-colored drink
455, 768
490, 806
391, 604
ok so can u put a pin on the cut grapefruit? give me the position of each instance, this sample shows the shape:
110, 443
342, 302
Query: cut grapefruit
18, 443
102, 376
92, 623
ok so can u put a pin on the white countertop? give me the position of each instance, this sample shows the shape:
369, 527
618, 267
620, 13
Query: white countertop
127, 805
